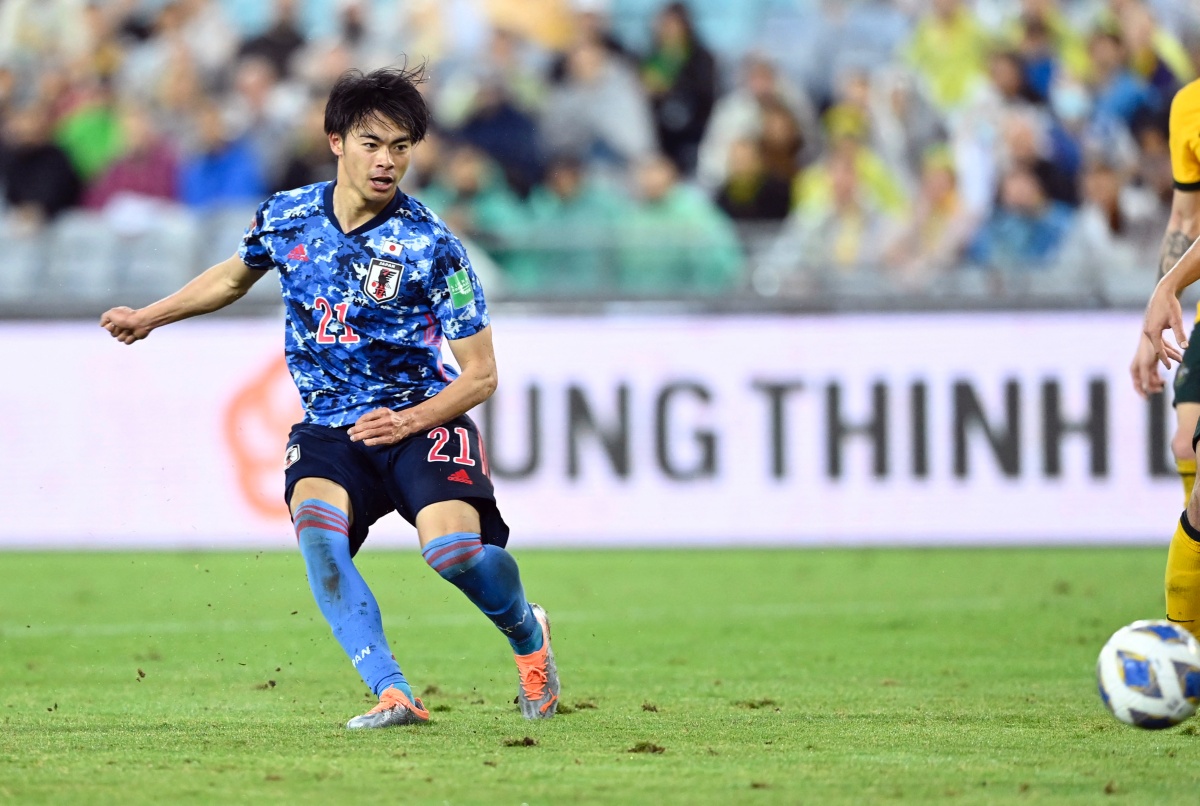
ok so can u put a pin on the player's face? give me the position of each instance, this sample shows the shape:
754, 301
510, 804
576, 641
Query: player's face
372, 160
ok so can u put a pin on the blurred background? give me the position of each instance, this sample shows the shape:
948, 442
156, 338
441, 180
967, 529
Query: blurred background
667, 201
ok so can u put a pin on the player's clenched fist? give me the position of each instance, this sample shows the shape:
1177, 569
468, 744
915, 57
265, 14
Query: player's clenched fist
124, 324
381, 427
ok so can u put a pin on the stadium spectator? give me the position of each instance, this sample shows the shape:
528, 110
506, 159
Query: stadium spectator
1118, 93
1152, 162
567, 240
947, 51
591, 22
1156, 56
782, 140
470, 194
500, 128
90, 132
1118, 223
598, 111
147, 168
264, 110
813, 189
679, 75
750, 193
844, 237
37, 30
903, 123
282, 39
1026, 231
309, 158
932, 238
742, 112
1026, 142
223, 170
208, 35
38, 177
1047, 45
673, 241
513, 64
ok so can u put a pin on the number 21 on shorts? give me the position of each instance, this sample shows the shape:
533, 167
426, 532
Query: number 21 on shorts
462, 456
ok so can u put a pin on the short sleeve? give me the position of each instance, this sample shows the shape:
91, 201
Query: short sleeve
1185, 138
455, 295
252, 252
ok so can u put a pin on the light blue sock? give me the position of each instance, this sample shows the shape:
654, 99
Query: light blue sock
343, 596
489, 577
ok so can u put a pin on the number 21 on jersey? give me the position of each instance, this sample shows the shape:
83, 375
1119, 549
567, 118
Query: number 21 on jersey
327, 311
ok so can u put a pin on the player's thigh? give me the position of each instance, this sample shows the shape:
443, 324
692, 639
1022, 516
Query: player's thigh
446, 518
323, 464
314, 487
439, 482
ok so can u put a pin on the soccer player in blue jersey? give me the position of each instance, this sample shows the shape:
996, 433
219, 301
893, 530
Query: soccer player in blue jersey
372, 283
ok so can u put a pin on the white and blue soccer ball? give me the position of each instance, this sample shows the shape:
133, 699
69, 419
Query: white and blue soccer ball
1149, 674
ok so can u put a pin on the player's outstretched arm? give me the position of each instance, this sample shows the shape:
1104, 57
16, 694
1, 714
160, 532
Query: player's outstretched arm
218, 286
1182, 229
475, 384
1179, 265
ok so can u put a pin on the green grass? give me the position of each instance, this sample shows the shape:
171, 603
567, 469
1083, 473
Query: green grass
959, 676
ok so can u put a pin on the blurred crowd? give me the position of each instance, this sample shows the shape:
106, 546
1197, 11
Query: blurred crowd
634, 147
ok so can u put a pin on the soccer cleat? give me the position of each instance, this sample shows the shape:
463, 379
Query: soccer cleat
538, 692
393, 709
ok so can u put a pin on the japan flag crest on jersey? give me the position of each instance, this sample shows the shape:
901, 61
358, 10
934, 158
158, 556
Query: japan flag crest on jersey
382, 282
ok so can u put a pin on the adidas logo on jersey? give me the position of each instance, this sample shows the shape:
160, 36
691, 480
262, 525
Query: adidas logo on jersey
298, 253
460, 475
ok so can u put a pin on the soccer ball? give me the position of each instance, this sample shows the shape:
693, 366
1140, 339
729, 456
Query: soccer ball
1149, 674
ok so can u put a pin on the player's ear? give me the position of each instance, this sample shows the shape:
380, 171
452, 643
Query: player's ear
335, 144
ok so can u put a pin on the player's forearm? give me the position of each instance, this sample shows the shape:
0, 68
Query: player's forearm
475, 385
1183, 272
1175, 245
210, 291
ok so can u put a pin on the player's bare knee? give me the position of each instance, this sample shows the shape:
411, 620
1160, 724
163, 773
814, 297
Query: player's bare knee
446, 518
1181, 446
320, 489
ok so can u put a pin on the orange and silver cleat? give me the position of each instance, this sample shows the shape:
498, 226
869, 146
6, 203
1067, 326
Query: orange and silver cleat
393, 709
538, 691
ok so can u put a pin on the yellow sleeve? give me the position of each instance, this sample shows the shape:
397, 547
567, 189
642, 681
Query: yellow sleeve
1185, 138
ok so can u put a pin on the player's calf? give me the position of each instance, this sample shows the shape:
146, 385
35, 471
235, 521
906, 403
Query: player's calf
489, 577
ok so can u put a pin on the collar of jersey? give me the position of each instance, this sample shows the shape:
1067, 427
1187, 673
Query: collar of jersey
384, 214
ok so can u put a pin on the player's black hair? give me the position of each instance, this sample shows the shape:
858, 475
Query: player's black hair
389, 93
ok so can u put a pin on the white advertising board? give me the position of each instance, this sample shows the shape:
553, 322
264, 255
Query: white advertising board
817, 430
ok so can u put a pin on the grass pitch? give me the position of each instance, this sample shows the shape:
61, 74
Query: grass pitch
815, 676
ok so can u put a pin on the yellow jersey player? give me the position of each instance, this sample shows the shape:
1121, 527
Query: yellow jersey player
1179, 267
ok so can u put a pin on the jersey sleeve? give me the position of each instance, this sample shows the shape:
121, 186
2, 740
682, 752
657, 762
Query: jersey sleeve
252, 251
1185, 138
455, 295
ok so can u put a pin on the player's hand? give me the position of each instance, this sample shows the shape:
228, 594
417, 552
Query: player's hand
1144, 369
124, 324
382, 427
1163, 313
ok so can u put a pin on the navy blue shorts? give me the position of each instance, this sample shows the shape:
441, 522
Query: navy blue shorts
447, 463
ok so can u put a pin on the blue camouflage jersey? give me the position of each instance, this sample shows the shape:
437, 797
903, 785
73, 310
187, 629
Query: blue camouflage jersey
366, 311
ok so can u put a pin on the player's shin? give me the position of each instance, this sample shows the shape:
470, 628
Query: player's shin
488, 575
1183, 576
343, 596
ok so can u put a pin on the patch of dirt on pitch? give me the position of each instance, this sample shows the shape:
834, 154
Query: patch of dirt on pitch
526, 741
647, 747
754, 705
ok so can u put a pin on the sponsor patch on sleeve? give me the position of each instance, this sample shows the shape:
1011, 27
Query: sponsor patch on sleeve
462, 293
